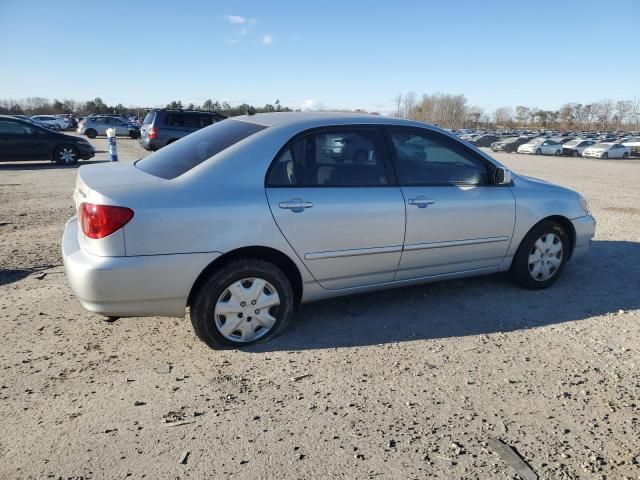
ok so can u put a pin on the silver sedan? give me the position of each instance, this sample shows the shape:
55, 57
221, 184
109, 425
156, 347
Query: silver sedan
244, 219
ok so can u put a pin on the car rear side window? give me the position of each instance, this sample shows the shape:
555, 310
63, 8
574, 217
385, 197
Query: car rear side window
148, 119
181, 156
333, 158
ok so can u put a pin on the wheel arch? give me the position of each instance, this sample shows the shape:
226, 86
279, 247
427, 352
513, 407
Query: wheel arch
269, 254
565, 223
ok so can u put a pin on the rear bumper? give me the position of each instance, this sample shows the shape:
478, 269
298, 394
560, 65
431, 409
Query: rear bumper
585, 228
151, 144
131, 286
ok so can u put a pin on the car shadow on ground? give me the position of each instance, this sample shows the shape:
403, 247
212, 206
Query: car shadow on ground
605, 281
8, 276
45, 165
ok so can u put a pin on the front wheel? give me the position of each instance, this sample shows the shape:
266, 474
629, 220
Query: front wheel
605, 156
576, 153
538, 152
243, 302
625, 155
558, 153
65, 155
541, 256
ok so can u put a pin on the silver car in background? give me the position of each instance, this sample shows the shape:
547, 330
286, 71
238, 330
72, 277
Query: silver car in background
541, 146
607, 150
95, 125
242, 220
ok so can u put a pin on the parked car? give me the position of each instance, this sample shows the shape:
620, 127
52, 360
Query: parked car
243, 219
35, 122
541, 146
607, 150
54, 122
163, 126
23, 140
633, 143
508, 145
574, 148
485, 140
95, 125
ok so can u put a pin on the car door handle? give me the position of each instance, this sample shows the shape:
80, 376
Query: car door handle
421, 201
295, 205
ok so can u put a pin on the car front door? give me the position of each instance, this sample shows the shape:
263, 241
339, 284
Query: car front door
19, 141
457, 220
331, 194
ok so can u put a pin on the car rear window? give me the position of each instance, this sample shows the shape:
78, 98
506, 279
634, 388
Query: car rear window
181, 156
149, 118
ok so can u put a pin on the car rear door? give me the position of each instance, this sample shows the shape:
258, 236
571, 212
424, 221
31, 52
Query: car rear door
457, 220
332, 195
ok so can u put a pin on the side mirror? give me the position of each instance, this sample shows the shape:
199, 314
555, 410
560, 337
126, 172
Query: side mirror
502, 176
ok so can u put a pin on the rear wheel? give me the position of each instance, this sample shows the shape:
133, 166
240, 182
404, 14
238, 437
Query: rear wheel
576, 153
242, 303
91, 133
605, 156
558, 153
538, 152
625, 155
541, 256
65, 154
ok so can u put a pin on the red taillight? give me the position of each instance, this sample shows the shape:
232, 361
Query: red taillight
152, 133
98, 221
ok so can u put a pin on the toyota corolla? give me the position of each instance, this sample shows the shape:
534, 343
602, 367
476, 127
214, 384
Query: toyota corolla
242, 220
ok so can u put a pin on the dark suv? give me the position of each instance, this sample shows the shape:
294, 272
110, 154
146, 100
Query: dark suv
161, 127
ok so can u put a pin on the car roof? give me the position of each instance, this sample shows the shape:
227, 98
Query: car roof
321, 119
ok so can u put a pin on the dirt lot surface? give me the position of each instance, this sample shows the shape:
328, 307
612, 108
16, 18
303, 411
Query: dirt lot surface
406, 383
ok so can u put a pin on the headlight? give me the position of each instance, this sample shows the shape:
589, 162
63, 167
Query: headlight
583, 203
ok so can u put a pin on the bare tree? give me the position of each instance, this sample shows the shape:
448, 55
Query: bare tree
398, 103
623, 109
635, 111
522, 115
503, 116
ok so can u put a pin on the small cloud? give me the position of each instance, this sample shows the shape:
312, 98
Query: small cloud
233, 41
243, 31
267, 39
236, 19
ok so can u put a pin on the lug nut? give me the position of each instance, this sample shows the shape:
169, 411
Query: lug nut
243, 304
257, 312
253, 302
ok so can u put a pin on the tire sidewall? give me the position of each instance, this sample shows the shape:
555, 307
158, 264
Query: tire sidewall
520, 266
202, 310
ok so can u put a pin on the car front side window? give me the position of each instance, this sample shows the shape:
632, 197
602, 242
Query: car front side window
14, 128
434, 160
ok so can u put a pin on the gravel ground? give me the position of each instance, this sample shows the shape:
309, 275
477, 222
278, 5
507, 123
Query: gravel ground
406, 383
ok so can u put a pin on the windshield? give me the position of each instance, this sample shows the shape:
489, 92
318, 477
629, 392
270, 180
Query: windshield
572, 143
537, 141
601, 145
181, 156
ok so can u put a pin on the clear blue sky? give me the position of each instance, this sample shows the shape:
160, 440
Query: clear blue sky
333, 54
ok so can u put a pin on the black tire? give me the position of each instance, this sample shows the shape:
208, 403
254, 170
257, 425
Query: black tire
91, 133
538, 152
203, 305
520, 271
558, 153
605, 156
66, 154
575, 153
625, 155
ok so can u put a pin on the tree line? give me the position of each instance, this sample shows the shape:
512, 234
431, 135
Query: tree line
453, 111
44, 106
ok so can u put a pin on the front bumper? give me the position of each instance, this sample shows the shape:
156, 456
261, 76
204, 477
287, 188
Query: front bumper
585, 228
131, 286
